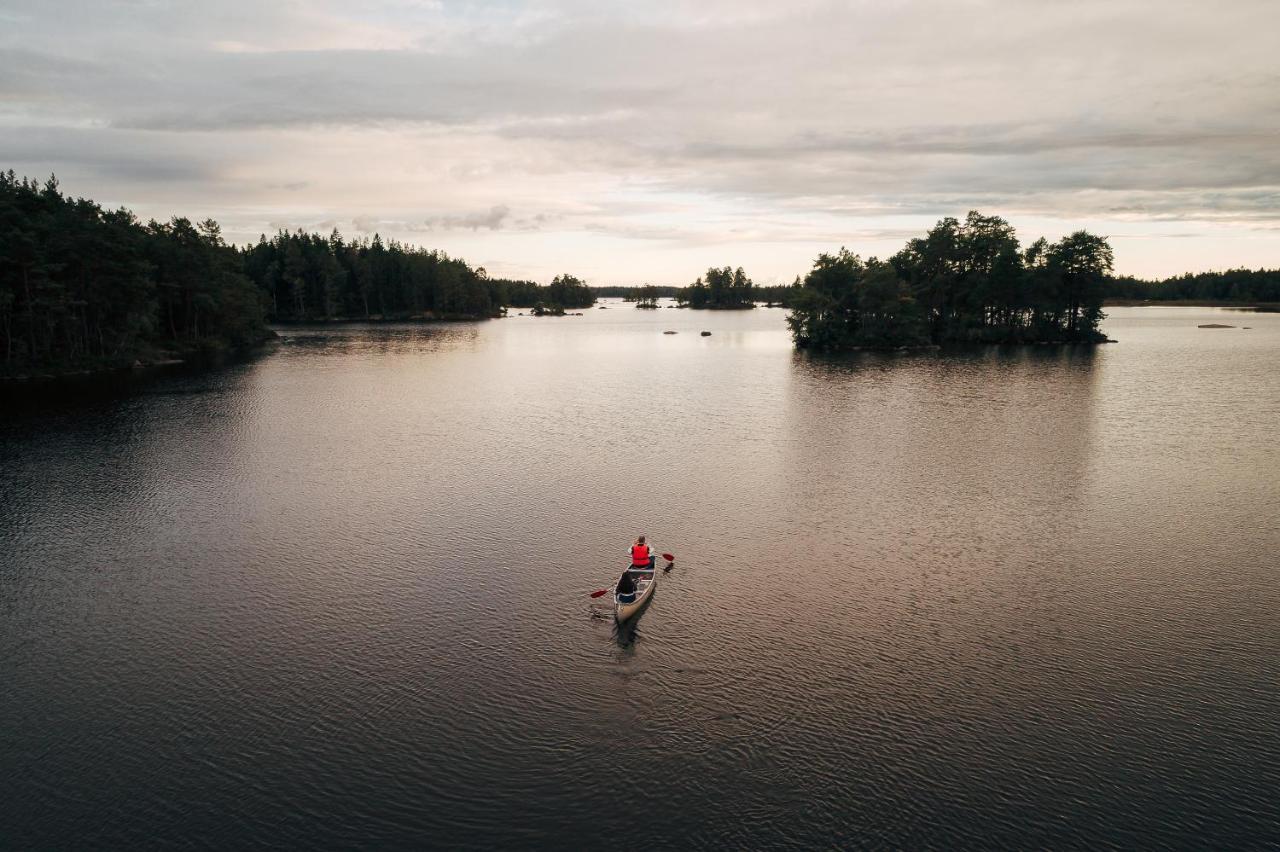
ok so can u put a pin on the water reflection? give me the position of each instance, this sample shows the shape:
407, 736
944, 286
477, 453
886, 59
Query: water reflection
923, 599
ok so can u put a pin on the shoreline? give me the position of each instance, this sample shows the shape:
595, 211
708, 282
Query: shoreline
380, 318
1264, 307
62, 383
956, 346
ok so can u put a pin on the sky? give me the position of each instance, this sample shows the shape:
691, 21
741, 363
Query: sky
644, 142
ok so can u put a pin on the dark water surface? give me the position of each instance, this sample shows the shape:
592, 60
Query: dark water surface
1012, 597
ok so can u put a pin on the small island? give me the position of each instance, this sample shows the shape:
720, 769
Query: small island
647, 298
963, 282
564, 292
719, 289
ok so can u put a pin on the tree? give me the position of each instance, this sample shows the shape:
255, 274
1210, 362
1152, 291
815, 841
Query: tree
1081, 263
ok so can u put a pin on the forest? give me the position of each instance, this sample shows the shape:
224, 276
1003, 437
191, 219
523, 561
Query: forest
308, 278
85, 287
1232, 286
962, 282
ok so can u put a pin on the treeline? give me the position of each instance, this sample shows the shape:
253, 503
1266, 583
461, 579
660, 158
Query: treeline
564, 291
770, 295
1233, 285
85, 287
962, 282
631, 293
719, 289
308, 277
778, 294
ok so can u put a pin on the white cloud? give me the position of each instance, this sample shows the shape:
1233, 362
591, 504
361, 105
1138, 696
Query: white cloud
655, 133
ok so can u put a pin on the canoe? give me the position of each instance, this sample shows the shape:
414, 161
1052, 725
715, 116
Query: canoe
625, 605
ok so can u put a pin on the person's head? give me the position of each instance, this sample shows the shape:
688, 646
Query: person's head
640, 540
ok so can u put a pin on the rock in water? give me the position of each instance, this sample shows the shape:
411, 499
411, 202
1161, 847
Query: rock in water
668, 332
706, 334
1214, 325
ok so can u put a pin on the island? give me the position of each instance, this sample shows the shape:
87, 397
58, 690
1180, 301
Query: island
962, 282
719, 289
564, 292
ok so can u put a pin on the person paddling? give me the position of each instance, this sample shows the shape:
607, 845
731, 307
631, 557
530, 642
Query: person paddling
642, 557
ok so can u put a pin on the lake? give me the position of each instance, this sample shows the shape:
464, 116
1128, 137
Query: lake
1018, 597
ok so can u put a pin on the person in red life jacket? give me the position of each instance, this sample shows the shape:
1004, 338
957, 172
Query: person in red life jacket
642, 557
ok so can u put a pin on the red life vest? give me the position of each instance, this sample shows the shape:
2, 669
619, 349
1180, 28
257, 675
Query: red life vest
640, 555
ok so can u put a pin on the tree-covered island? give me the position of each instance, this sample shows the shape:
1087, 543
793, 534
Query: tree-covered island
647, 297
719, 289
963, 282
563, 293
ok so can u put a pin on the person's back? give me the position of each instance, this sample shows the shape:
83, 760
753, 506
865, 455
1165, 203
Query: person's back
641, 557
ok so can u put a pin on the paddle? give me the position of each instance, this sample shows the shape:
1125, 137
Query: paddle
601, 592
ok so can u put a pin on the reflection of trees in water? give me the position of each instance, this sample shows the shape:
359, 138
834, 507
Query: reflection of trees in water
390, 338
940, 499
945, 445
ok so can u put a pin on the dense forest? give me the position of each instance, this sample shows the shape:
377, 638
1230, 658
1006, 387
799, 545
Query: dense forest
85, 287
719, 289
962, 282
1234, 285
308, 277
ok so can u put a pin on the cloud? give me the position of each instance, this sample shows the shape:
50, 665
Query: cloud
667, 124
492, 219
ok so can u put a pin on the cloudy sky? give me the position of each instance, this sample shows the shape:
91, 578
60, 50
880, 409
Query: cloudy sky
645, 141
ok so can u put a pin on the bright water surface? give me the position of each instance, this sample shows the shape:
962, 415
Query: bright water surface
1014, 598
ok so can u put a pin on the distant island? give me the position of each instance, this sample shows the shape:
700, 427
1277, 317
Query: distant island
646, 298
962, 282
768, 295
719, 289
564, 292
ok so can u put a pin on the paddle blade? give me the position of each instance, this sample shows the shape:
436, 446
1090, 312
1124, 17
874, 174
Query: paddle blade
668, 557
599, 592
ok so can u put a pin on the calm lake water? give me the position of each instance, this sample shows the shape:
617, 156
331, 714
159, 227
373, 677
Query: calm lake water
1015, 598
